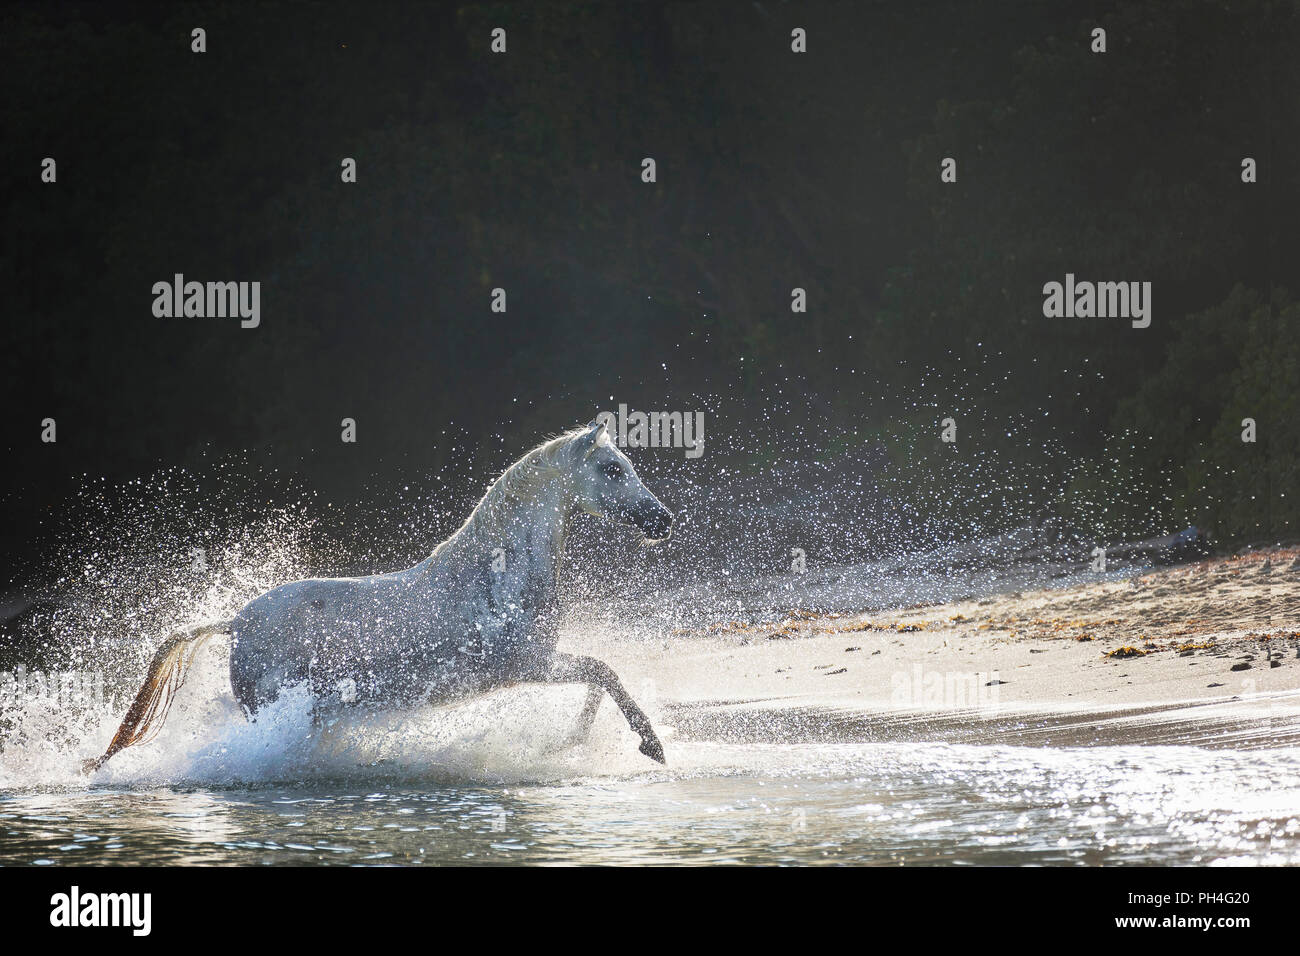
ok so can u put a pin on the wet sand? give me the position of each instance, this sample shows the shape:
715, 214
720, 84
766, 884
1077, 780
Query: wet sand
1205, 654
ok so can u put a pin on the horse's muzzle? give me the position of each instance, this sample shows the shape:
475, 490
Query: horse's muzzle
653, 520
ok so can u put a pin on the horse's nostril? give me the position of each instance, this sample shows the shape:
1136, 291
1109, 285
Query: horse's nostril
654, 520
663, 524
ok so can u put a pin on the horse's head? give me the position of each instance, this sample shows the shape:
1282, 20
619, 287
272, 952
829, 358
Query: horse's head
606, 485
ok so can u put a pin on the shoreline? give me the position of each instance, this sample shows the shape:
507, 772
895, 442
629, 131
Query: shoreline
1204, 654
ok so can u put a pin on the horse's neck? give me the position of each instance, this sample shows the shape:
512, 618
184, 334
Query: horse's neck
519, 541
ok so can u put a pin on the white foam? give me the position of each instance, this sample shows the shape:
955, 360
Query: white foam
515, 735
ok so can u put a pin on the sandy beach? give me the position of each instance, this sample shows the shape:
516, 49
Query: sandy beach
1205, 653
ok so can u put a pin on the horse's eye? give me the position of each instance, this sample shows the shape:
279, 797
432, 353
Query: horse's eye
613, 470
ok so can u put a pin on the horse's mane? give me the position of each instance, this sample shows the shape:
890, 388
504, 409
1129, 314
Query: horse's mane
520, 482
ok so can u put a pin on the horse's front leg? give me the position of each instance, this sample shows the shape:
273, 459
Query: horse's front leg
579, 669
595, 694
581, 732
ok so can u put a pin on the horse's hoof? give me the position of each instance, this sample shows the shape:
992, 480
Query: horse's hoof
652, 748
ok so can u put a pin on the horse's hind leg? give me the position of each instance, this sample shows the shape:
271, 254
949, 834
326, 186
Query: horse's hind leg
579, 669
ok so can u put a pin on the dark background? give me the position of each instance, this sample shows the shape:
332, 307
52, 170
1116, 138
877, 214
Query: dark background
775, 170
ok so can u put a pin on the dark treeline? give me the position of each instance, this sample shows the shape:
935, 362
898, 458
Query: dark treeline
775, 171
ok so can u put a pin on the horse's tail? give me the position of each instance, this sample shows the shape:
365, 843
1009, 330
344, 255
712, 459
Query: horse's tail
166, 676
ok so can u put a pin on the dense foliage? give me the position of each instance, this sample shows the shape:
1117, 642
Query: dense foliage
775, 170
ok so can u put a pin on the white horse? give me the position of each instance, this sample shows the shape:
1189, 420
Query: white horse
477, 614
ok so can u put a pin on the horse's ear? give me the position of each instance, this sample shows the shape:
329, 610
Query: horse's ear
596, 429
